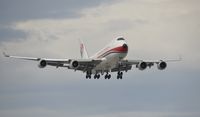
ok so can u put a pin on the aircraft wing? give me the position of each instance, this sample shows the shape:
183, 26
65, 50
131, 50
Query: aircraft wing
125, 65
52, 62
20, 57
76, 64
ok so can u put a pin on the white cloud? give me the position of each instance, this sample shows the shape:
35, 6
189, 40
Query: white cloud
150, 114
41, 112
154, 29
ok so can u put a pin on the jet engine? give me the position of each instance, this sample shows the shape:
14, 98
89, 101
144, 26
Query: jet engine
162, 65
42, 64
142, 66
74, 64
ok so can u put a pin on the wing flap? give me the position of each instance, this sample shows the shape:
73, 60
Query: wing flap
84, 64
87, 64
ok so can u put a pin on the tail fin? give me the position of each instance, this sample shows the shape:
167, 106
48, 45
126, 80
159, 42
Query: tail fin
83, 50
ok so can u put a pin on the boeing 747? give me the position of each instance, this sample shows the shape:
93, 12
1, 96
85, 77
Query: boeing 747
110, 59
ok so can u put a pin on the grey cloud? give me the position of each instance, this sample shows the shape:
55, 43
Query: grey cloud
160, 92
25, 87
124, 24
28, 9
26, 90
8, 34
19, 10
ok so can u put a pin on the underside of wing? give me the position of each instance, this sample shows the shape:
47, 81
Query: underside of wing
20, 57
142, 65
83, 64
76, 64
126, 65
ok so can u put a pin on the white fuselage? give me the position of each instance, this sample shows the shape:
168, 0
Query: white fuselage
110, 55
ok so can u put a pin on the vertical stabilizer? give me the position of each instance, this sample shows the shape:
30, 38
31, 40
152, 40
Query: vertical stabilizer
83, 50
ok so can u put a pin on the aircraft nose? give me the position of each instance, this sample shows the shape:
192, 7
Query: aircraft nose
125, 46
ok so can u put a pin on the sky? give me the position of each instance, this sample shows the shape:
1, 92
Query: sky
153, 29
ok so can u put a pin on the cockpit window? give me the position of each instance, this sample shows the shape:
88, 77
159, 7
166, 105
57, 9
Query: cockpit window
120, 39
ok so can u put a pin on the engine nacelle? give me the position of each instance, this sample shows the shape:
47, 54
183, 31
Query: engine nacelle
142, 66
74, 64
162, 65
42, 64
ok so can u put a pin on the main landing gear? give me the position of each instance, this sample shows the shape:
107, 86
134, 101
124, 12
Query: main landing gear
107, 76
88, 75
96, 76
119, 75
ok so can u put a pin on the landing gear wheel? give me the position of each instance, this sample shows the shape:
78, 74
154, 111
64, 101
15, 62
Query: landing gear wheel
88, 76
96, 76
119, 75
109, 76
106, 76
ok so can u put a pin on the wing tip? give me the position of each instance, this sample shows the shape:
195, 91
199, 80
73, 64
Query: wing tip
6, 55
180, 58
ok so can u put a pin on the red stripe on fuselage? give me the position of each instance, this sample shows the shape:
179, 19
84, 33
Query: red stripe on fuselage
120, 49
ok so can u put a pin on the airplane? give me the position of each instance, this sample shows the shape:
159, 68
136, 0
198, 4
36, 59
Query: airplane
109, 59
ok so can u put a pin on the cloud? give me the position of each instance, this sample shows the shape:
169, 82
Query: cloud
154, 30
166, 28
24, 10
42, 112
8, 34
